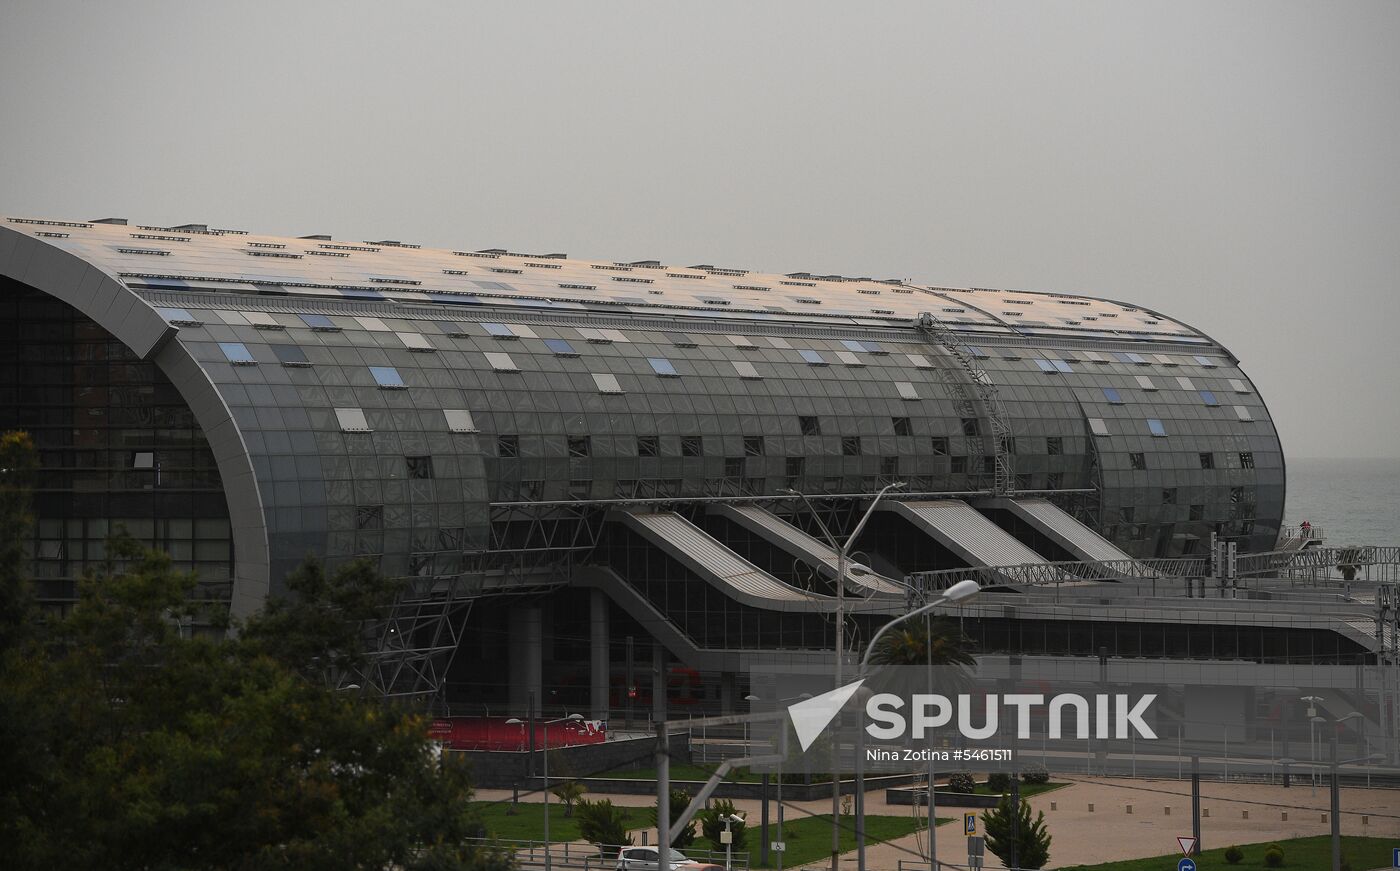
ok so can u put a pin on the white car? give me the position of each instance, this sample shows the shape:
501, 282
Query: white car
644, 859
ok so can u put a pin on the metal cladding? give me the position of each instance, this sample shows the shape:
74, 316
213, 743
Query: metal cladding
483, 414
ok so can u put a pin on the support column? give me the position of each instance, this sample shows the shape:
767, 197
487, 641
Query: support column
526, 658
600, 663
658, 682
727, 682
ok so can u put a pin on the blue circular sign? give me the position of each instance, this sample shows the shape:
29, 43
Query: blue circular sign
1187, 864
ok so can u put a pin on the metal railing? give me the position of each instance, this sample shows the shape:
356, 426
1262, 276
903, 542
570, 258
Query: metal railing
1301, 534
1370, 564
594, 857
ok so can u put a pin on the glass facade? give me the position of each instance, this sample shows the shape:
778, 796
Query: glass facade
117, 446
450, 419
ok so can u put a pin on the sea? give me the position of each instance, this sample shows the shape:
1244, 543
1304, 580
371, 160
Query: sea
1355, 501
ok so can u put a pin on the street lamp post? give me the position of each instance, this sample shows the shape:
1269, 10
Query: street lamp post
548, 864
1312, 734
729, 839
763, 820
842, 557
1336, 789
959, 592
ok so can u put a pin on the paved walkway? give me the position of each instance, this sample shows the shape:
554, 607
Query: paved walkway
1109, 832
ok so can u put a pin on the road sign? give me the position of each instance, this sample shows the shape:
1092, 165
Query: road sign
969, 824
1395, 858
976, 851
1187, 864
1188, 845
778, 846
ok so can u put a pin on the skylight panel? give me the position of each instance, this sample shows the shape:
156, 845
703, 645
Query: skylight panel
746, 370
459, 420
415, 341
237, 353
606, 382
179, 317
663, 367
373, 324
316, 322
351, 420
387, 377
501, 362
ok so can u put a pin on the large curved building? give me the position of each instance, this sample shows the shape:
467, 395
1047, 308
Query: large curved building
557, 448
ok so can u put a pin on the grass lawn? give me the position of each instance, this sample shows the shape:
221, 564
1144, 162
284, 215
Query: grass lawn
702, 773
1303, 854
528, 823
809, 838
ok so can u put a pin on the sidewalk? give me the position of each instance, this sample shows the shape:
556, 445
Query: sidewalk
1109, 832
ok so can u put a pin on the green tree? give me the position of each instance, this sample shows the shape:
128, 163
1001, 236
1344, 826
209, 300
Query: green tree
912, 643
603, 826
128, 746
711, 824
1032, 841
680, 800
322, 626
569, 792
1349, 562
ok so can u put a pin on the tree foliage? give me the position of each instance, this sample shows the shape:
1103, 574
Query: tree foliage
916, 642
711, 824
569, 792
603, 825
125, 744
680, 800
1032, 841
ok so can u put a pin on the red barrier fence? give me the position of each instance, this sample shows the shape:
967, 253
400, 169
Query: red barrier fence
494, 733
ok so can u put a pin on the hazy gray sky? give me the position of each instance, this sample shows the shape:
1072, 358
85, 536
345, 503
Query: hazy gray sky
1236, 165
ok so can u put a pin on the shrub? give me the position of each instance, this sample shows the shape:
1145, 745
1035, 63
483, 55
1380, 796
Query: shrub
1036, 773
1234, 855
961, 781
998, 781
1273, 856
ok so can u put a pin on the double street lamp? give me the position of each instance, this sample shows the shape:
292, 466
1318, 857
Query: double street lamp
956, 594
842, 559
516, 721
1336, 815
